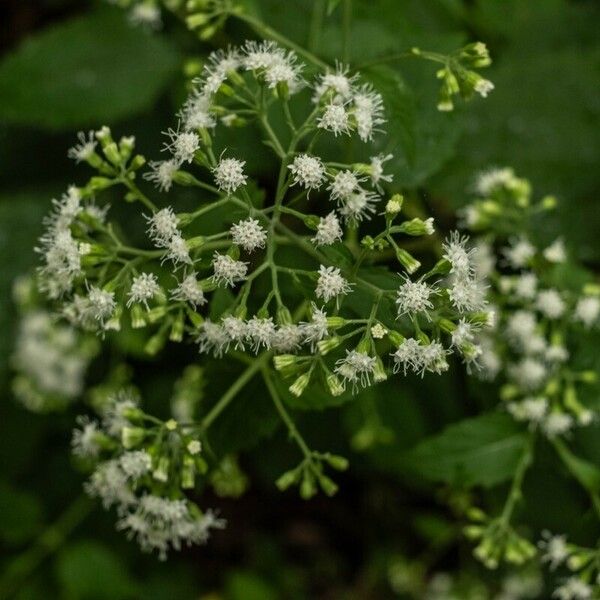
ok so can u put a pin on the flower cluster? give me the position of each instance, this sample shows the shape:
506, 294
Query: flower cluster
544, 318
142, 468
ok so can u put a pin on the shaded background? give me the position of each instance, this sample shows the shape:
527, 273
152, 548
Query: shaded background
70, 65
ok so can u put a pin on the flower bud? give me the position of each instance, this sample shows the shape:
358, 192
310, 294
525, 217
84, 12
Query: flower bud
410, 263
417, 227
297, 388
132, 436
334, 385
329, 344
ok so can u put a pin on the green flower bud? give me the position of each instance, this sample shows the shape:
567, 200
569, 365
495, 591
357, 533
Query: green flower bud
410, 263
417, 227
327, 345
297, 388
132, 437
334, 385
161, 473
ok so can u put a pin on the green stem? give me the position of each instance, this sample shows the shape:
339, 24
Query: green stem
316, 24
515, 494
21, 568
346, 29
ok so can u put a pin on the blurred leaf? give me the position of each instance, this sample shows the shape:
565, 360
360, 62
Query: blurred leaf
20, 515
585, 472
483, 451
84, 72
87, 569
247, 585
332, 5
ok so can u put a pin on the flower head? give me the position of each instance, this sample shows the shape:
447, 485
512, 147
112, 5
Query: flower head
331, 284
308, 171
248, 234
229, 174
144, 287
227, 270
329, 230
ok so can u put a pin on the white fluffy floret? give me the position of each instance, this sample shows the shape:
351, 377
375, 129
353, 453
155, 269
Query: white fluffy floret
356, 368
331, 283
189, 290
308, 171
143, 288
183, 145
550, 304
228, 271
413, 297
329, 230
587, 310
229, 174
248, 234
335, 118
161, 173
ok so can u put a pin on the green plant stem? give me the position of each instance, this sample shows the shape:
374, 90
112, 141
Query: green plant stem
20, 568
235, 388
346, 29
316, 24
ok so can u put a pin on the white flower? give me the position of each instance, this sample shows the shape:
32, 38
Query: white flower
520, 326
463, 334
483, 87
115, 416
573, 589
489, 360
556, 252
408, 356
248, 234
519, 253
433, 358
550, 304
143, 288
368, 112
276, 65
212, 338
85, 439
109, 483
533, 410
529, 373
413, 297
178, 251
229, 174
484, 260
489, 181
336, 82
467, 294
160, 524
162, 226
308, 171
287, 338
334, 119
359, 206
227, 270
556, 353
378, 331
220, 64
329, 230
236, 330
377, 175
183, 145
331, 283
456, 253
135, 464
555, 549
356, 367
557, 424
162, 173
344, 184
260, 333
145, 14
316, 329
525, 286
84, 149
195, 113
102, 304
189, 290
587, 310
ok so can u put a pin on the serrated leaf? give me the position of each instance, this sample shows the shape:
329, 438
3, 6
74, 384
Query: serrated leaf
84, 72
483, 451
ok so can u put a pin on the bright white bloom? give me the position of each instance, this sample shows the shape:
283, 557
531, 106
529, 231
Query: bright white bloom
189, 290
344, 184
556, 252
463, 334
102, 304
196, 112
329, 230
220, 64
525, 286
521, 325
356, 368
178, 251
62, 258
587, 310
378, 331
433, 358
183, 145
456, 253
489, 181
519, 253
529, 373
533, 410
556, 353
484, 260
109, 483
413, 297
248, 234
236, 330
556, 550
162, 226
115, 416
408, 356
334, 119
483, 87
145, 14
161, 173
331, 283
359, 206
377, 174
308, 171
135, 464
212, 338
85, 438
227, 270
84, 149
337, 82
260, 333
368, 112
143, 288
287, 338
573, 589
489, 360
316, 329
467, 294
160, 524
550, 304
275, 64
229, 174
557, 424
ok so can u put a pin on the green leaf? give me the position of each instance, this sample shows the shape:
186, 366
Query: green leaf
585, 472
20, 515
483, 451
84, 72
332, 5
88, 569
